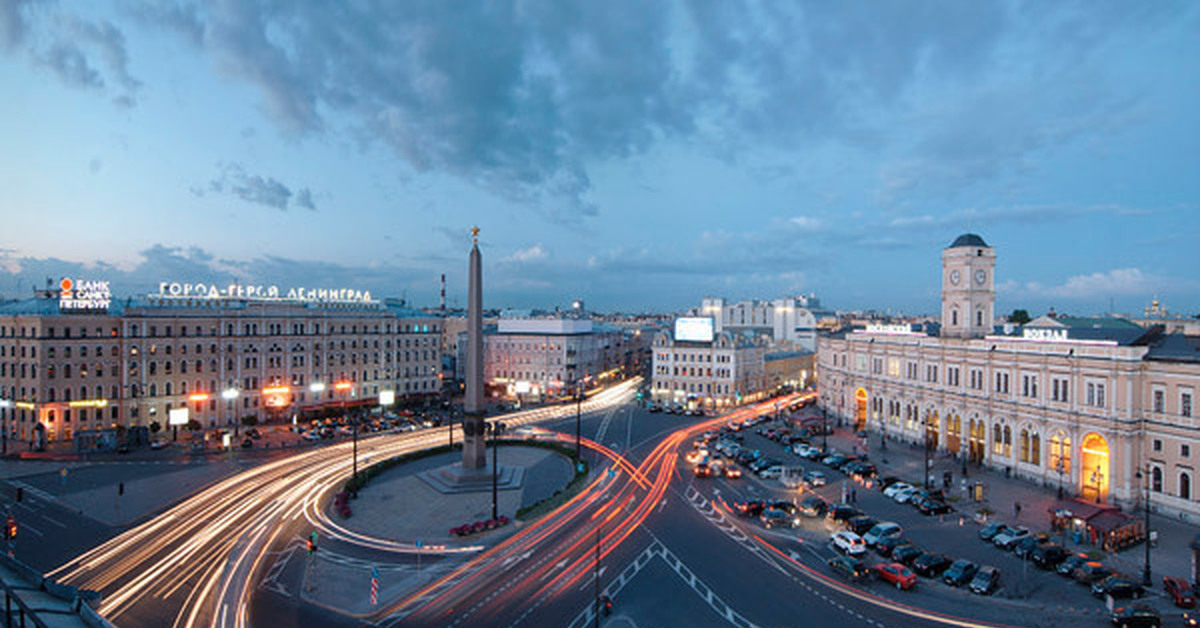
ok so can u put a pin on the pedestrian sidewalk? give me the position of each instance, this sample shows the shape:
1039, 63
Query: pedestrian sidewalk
1171, 554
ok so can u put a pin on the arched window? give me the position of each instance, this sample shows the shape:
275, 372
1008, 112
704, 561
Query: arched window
997, 439
953, 317
1007, 441
1035, 449
1185, 485
979, 318
1060, 452
1156, 479
1024, 445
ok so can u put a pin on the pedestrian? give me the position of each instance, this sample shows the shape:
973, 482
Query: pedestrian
1017, 510
854, 495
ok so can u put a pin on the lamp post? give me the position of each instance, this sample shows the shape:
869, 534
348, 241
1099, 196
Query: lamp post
230, 395
578, 404
495, 428
1146, 580
824, 429
344, 387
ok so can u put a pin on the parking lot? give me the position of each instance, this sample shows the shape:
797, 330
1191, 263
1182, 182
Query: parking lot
1022, 584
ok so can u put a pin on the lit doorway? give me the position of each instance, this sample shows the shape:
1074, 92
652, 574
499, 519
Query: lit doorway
860, 409
1094, 469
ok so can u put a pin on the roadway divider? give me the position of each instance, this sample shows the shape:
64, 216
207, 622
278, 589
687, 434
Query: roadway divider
34, 594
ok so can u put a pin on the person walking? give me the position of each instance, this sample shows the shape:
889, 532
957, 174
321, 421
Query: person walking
1017, 510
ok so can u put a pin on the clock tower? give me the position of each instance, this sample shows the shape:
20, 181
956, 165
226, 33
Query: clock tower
968, 288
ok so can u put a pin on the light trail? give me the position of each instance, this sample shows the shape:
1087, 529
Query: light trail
214, 541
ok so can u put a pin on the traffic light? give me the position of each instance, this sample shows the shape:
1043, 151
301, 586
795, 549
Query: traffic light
312, 547
10, 528
20, 494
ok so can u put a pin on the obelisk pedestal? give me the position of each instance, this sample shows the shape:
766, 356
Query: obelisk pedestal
474, 407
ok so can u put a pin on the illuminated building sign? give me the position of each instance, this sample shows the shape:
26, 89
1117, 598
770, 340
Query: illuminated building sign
84, 295
182, 290
891, 329
177, 416
24, 405
89, 403
1044, 334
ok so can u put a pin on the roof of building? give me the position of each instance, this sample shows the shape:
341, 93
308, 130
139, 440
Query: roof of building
1174, 348
967, 239
786, 355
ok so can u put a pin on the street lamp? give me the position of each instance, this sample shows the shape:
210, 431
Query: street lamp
345, 387
1146, 580
578, 404
229, 395
495, 428
824, 429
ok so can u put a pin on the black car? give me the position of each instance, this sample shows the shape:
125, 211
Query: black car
813, 506
1024, 548
931, 564
860, 524
906, 554
1136, 616
785, 506
863, 470
884, 546
843, 512
749, 508
930, 506
989, 531
247, 443
772, 518
1048, 556
1068, 564
986, 581
1090, 572
960, 572
849, 568
887, 481
1120, 587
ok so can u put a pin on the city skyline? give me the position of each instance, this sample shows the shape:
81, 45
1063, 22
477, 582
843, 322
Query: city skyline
744, 152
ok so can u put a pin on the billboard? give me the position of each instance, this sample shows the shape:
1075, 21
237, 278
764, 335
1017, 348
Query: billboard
694, 329
387, 397
177, 416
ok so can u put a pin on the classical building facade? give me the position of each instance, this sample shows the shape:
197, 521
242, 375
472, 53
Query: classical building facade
1099, 406
727, 370
224, 358
546, 357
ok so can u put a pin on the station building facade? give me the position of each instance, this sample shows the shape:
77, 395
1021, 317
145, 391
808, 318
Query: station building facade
67, 365
1102, 407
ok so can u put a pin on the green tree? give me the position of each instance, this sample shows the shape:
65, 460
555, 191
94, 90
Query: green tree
194, 425
155, 427
1019, 317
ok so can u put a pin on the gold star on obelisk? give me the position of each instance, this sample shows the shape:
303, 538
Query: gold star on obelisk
475, 235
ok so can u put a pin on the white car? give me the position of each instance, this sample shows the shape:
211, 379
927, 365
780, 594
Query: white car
771, 472
849, 543
903, 495
881, 530
802, 450
896, 488
1010, 537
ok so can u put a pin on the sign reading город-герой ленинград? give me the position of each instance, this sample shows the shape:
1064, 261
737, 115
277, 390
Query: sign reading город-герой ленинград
183, 290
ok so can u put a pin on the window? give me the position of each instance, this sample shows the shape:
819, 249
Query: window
1059, 390
1029, 386
1185, 485
1156, 479
953, 317
1185, 403
1157, 444
979, 318
1160, 401
1002, 383
1185, 450
1095, 394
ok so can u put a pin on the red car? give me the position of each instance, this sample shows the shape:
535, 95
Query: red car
1180, 592
896, 574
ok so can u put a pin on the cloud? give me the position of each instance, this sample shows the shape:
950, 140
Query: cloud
256, 189
806, 223
71, 66
530, 254
12, 24
972, 217
109, 43
1119, 282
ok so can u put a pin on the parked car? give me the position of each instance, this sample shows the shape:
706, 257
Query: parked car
888, 481
862, 470
885, 545
1136, 616
986, 581
1180, 592
861, 524
989, 531
849, 542
897, 574
960, 573
1090, 572
881, 530
1119, 587
930, 506
247, 443
813, 506
842, 512
1049, 555
775, 518
903, 495
732, 471
906, 554
772, 472
890, 491
849, 568
1024, 548
814, 478
1068, 565
931, 564
1006, 540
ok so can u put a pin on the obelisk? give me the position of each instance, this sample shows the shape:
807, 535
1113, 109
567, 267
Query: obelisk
474, 439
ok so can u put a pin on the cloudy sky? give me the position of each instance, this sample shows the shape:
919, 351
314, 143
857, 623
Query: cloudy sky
637, 155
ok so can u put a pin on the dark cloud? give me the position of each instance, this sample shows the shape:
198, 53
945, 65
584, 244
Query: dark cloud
12, 23
109, 43
71, 66
256, 189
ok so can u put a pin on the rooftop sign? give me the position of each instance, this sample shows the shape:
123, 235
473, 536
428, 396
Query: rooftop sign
85, 295
879, 328
184, 290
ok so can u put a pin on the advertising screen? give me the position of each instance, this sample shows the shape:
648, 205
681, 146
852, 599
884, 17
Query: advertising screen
177, 416
698, 329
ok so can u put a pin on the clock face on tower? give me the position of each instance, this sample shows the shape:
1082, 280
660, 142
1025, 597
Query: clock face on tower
980, 277
955, 276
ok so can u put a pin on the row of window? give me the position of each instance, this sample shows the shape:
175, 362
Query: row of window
248, 329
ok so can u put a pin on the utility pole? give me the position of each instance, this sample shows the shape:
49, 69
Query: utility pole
1146, 579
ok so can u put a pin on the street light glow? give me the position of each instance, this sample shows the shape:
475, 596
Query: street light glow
317, 387
229, 394
343, 385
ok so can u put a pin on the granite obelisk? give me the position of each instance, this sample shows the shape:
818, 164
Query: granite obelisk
474, 409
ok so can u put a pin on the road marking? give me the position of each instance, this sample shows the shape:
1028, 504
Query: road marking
54, 521
603, 568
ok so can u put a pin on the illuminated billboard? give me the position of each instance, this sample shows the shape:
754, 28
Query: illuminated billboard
697, 329
177, 416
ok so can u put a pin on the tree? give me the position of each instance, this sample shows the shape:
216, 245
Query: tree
194, 425
1019, 317
155, 427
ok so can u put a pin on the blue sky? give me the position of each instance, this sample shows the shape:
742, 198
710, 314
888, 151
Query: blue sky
637, 155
